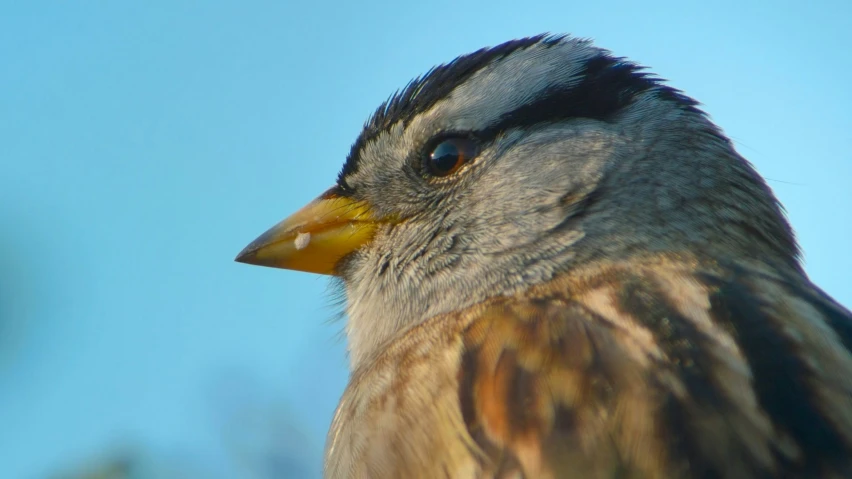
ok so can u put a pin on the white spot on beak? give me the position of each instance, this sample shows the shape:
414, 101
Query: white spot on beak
302, 240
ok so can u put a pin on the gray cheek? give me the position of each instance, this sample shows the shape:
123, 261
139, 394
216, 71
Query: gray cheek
666, 202
547, 166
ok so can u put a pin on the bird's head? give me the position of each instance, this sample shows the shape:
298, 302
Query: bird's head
508, 166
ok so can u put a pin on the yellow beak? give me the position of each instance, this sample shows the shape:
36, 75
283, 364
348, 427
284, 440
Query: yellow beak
314, 238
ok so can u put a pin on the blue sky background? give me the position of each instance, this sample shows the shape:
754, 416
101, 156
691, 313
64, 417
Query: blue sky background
142, 146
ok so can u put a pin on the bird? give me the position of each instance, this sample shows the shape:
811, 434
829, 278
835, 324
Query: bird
555, 265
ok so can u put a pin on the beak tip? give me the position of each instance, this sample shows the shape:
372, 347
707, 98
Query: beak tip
246, 256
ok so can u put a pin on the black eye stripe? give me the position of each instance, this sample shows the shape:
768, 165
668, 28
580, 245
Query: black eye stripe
602, 89
605, 87
423, 92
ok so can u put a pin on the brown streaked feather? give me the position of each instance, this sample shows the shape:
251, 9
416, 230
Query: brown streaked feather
660, 368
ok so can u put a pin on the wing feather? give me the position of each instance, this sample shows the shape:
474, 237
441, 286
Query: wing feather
660, 369
662, 372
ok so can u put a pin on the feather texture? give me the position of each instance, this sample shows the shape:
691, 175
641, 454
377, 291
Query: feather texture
607, 289
661, 367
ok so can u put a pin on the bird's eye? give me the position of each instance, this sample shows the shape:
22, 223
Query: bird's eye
449, 155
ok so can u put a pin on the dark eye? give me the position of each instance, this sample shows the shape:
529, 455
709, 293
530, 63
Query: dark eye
449, 155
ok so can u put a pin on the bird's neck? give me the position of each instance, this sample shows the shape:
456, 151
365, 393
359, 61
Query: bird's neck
382, 307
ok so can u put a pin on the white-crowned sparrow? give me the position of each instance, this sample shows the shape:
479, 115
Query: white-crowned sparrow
557, 266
